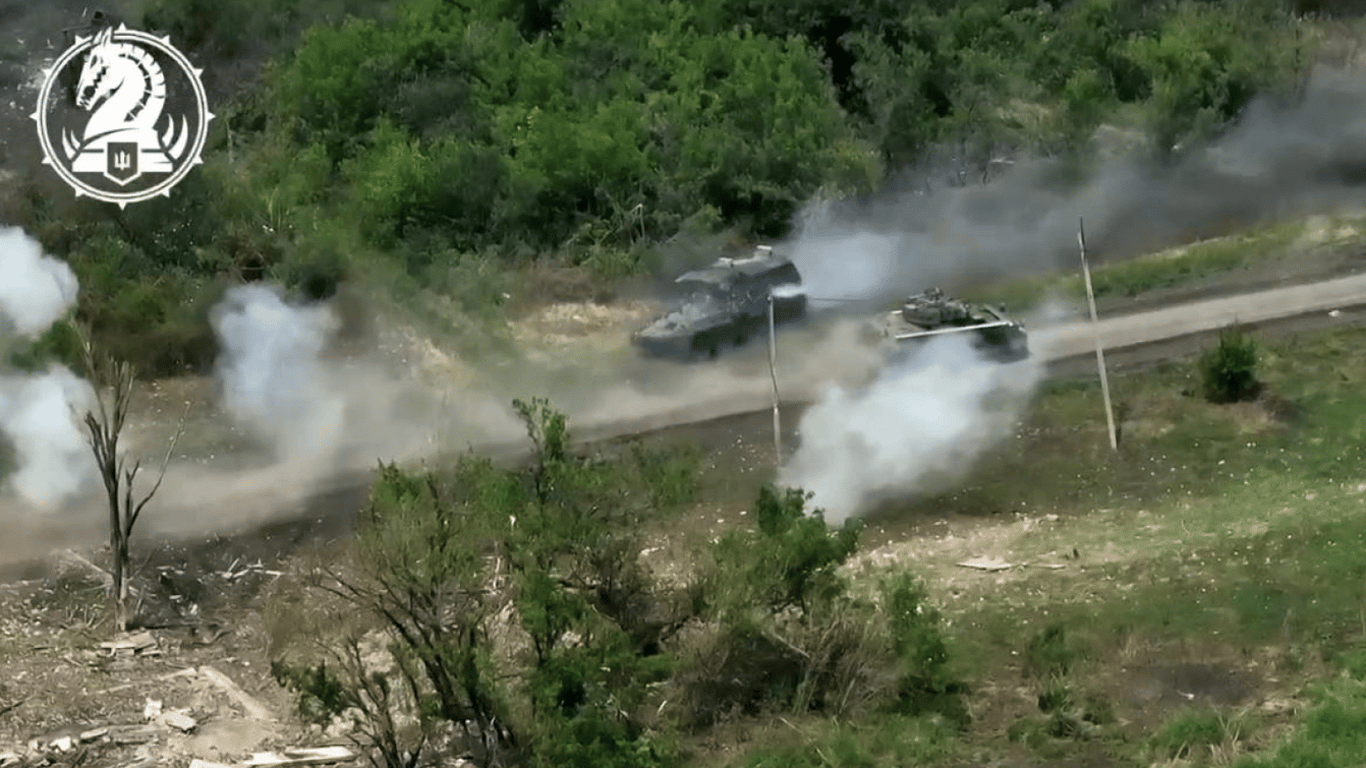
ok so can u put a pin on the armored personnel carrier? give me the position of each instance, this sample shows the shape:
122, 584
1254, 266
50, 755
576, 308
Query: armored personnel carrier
931, 313
724, 304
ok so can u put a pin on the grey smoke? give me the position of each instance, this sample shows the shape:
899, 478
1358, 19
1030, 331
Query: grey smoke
918, 428
39, 413
284, 378
271, 372
1276, 161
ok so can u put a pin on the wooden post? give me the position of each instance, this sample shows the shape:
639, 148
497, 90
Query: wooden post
1095, 326
773, 373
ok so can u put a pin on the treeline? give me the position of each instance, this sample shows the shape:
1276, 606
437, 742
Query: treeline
433, 145
516, 615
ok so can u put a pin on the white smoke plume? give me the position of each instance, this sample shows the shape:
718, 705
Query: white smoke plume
283, 376
1275, 162
271, 372
39, 413
918, 428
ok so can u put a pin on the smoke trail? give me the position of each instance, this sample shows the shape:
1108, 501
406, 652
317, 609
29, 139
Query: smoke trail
918, 428
1276, 161
39, 412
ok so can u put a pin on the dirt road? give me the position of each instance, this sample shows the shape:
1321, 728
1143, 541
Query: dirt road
744, 411
1203, 316
271, 503
1153, 335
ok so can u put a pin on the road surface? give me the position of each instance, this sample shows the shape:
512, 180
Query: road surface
1061, 345
271, 504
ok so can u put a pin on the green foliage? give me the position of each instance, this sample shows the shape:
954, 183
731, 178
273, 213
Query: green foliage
322, 695
917, 633
791, 561
1228, 373
1193, 731
1051, 652
1206, 62
1333, 734
431, 147
670, 474
60, 343
886, 740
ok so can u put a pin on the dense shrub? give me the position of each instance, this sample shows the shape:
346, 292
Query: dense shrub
1228, 372
418, 143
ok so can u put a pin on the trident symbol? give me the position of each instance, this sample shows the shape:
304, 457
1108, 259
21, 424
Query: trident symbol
123, 161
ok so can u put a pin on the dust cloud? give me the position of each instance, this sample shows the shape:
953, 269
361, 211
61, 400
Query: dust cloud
320, 417
271, 372
918, 428
39, 411
1276, 161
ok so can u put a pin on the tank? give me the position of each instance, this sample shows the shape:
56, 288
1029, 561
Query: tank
931, 313
724, 305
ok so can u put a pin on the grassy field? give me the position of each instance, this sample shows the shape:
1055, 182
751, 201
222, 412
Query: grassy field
1291, 247
1205, 601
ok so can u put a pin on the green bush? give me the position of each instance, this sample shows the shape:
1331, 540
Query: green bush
1051, 653
1193, 731
441, 145
1228, 372
322, 695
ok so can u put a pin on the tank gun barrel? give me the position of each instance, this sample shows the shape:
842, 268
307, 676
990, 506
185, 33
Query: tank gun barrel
955, 329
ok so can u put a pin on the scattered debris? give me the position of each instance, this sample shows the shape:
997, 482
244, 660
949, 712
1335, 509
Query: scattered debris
93, 734
7, 708
141, 644
186, 672
986, 564
232, 574
68, 560
197, 763
180, 721
132, 734
151, 710
1054, 566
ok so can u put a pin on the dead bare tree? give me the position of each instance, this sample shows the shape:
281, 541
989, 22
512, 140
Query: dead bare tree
113, 382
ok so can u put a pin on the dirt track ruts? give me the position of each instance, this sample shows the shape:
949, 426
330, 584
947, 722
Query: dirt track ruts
1068, 348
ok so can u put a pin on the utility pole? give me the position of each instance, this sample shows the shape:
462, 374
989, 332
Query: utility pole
773, 373
1095, 326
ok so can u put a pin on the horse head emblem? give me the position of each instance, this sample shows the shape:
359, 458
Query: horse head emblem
95, 83
139, 121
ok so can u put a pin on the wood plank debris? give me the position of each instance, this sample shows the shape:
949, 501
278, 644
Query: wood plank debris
300, 756
93, 734
132, 734
986, 564
179, 721
233, 573
142, 643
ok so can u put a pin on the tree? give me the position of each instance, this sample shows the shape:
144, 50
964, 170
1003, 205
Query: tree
113, 382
